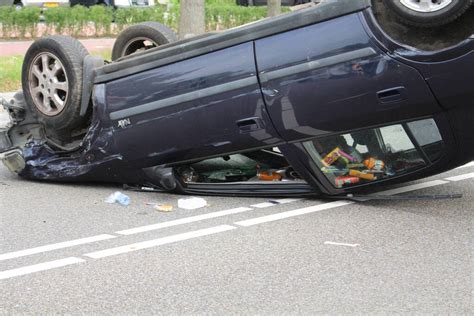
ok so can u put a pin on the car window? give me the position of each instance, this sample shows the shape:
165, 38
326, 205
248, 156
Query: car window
370, 155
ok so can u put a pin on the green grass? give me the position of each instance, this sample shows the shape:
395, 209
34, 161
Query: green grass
10, 73
212, 2
75, 21
221, 2
106, 54
10, 70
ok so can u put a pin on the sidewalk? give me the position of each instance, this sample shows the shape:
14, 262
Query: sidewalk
9, 48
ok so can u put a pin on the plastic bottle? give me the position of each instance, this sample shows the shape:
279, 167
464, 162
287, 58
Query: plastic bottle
118, 197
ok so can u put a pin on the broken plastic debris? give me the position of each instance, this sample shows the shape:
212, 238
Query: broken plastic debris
163, 207
192, 203
118, 197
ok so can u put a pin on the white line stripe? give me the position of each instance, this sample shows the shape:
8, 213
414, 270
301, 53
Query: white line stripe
274, 202
183, 221
66, 244
263, 205
469, 164
285, 201
301, 211
326, 206
412, 187
461, 177
159, 241
340, 244
39, 267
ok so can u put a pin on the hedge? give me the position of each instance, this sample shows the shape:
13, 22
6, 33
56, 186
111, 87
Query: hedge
96, 21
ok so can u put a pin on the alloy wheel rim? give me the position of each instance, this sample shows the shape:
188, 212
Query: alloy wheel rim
48, 83
426, 6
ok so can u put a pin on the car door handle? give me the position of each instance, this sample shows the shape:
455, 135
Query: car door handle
395, 94
249, 124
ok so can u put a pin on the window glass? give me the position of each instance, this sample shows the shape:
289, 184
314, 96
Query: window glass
365, 156
395, 138
425, 131
428, 137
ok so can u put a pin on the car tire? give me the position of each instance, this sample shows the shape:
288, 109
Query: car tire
434, 14
18, 5
135, 38
52, 83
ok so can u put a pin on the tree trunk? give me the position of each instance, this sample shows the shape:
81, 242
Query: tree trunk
274, 7
191, 18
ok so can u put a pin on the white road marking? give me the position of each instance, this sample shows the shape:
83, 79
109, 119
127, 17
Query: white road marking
330, 205
461, 177
301, 211
181, 221
413, 187
39, 267
263, 205
174, 238
284, 201
159, 241
65, 244
469, 164
274, 202
340, 244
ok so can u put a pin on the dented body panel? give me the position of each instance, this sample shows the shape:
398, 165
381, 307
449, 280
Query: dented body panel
347, 107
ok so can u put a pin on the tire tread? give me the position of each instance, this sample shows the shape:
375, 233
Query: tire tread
74, 53
437, 22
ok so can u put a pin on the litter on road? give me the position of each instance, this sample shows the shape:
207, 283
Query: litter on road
192, 203
118, 197
163, 207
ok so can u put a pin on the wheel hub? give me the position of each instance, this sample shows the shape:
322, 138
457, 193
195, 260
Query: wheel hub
426, 6
48, 84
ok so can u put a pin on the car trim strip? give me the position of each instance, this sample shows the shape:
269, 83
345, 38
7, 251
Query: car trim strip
241, 83
186, 97
317, 64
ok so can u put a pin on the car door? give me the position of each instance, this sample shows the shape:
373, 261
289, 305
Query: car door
329, 77
200, 107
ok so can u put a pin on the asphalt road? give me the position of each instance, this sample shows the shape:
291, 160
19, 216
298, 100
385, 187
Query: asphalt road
59, 252
64, 250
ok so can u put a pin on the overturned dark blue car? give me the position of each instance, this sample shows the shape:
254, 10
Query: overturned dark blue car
317, 101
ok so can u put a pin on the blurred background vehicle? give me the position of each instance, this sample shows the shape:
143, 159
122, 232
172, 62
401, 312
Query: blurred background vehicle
114, 3
44, 4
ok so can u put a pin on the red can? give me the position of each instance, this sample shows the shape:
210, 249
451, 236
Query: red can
342, 180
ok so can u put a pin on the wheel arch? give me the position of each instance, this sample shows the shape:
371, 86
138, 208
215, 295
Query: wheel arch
396, 48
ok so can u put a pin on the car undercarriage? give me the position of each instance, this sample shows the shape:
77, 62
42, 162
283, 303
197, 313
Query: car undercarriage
347, 109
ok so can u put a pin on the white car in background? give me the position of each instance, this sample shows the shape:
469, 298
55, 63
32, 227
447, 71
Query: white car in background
133, 3
44, 4
114, 3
